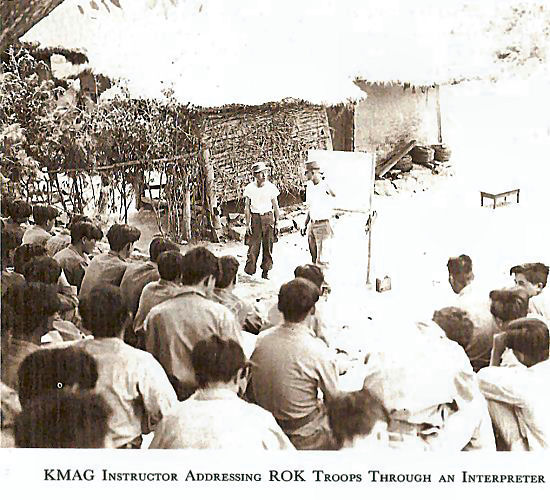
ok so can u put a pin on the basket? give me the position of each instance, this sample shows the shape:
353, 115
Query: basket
441, 152
422, 154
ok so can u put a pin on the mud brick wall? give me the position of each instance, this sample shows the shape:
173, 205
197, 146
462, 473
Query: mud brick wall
279, 134
395, 114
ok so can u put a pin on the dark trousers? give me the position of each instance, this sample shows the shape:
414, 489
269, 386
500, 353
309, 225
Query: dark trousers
262, 235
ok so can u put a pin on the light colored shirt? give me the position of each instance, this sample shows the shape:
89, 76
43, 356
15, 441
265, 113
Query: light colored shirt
477, 304
106, 268
134, 280
57, 243
318, 200
36, 234
426, 383
316, 322
74, 265
173, 327
526, 389
247, 315
260, 197
216, 418
290, 366
540, 304
153, 294
134, 385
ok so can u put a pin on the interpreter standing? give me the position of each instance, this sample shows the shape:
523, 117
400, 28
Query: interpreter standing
262, 216
319, 203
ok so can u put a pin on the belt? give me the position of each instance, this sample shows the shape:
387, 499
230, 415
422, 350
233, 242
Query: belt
265, 213
293, 424
319, 220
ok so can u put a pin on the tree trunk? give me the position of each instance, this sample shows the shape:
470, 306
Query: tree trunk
186, 210
210, 194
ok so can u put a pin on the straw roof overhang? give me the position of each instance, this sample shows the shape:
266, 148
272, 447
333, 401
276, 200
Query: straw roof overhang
212, 53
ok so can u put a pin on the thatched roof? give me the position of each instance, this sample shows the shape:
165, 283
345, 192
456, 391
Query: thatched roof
19, 16
216, 52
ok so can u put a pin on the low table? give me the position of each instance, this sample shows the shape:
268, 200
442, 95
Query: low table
496, 196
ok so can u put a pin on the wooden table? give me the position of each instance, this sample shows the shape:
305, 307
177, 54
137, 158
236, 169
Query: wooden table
496, 196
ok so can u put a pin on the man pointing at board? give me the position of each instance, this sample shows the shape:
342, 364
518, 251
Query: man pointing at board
319, 203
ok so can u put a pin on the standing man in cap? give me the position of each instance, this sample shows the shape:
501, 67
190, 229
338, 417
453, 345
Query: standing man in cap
262, 215
318, 200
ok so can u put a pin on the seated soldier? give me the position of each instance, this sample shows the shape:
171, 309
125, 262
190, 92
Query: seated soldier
169, 285
74, 259
18, 212
26, 311
173, 327
428, 388
358, 420
54, 369
9, 409
290, 366
508, 305
10, 241
62, 239
456, 324
63, 420
24, 254
108, 268
137, 276
47, 270
214, 417
44, 217
132, 382
247, 314
532, 278
314, 274
461, 276
518, 393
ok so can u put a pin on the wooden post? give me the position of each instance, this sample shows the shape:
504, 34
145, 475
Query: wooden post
186, 209
210, 193
438, 108
370, 222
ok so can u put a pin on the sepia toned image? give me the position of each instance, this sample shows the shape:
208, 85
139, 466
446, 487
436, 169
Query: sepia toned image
249, 226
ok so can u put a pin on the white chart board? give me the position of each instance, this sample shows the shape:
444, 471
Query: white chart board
350, 175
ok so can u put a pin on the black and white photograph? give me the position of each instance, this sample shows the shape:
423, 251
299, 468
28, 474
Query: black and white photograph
275, 244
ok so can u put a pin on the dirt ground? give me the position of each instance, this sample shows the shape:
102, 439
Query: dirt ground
415, 233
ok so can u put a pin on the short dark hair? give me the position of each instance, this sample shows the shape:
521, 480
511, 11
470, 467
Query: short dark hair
353, 414
310, 272
169, 265
84, 229
296, 298
119, 235
63, 420
159, 245
43, 213
18, 210
509, 304
459, 265
199, 263
10, 241
54, 369
229, 266
26, 305
456, 324
25, 253
75, 218
530, 337
534, 272
216, 360
103, 311
43, 269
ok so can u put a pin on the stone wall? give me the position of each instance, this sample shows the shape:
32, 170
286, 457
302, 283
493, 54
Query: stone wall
395, 114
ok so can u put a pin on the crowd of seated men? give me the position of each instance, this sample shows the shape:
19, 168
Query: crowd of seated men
100, 350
